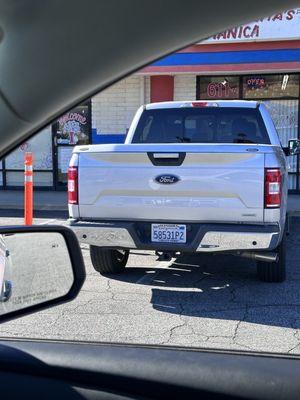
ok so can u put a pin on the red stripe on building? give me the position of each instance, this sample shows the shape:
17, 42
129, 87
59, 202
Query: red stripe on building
216, 47
213, 68
161, 88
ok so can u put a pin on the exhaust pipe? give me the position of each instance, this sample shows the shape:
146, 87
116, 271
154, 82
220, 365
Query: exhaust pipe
266, 257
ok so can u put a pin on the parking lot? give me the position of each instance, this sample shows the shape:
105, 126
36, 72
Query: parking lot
200, 301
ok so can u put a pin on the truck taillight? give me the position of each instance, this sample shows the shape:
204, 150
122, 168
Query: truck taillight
73, 185
272, 188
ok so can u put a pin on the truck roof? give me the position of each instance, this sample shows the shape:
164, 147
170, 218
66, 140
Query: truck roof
187, 103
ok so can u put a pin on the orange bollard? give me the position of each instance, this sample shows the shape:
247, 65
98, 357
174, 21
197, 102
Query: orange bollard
28, 189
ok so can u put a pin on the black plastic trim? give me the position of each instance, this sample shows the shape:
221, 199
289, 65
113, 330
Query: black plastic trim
160, 162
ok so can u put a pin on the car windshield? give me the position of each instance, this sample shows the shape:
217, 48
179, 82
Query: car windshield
201, 125
183, 244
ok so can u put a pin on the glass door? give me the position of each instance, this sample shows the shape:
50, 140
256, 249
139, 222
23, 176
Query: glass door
70, 130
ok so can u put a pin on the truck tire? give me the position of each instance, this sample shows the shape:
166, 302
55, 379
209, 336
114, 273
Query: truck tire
274, 272
106, 261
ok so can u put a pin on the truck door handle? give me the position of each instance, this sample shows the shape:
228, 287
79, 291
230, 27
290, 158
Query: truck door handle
165, 155
166, 159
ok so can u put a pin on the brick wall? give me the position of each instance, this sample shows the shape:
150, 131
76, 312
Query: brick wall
114, 108
185, 87
147, 89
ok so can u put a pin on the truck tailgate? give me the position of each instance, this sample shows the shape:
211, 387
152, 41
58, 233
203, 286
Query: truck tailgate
215, 183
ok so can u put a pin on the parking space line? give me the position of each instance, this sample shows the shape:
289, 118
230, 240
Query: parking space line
49, 221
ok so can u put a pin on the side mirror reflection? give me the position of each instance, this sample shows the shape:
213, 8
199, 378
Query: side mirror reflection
39, 266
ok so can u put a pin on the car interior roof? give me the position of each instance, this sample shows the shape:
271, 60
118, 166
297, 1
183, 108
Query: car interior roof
52, 57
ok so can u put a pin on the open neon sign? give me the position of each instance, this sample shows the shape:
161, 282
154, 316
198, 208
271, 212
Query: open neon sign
256, 82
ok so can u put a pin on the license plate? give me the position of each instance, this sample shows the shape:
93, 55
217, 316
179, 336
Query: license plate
168, 233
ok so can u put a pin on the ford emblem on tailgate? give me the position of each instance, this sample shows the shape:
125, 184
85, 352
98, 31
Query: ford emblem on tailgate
167, 179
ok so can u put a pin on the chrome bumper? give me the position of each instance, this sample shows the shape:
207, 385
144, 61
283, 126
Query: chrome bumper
225, 241
103, 235
206, 237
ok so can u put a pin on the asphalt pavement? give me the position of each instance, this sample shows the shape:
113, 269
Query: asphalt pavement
199, 301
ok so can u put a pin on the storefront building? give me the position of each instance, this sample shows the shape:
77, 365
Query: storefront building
258, 61
51, 148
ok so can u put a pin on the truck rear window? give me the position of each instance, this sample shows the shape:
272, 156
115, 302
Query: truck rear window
201, 125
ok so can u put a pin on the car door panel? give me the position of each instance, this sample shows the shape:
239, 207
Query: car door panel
151, 372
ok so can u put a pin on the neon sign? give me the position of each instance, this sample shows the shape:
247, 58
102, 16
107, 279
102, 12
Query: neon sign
256, 82
221, 90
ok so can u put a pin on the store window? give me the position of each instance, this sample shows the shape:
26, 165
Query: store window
41, 147
218, 87
271, 86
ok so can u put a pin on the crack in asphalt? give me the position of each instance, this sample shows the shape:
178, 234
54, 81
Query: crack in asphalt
295, 335
236, 330
172, 330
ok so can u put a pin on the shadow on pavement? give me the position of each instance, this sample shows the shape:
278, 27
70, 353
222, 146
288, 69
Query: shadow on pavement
57, 214
224, 287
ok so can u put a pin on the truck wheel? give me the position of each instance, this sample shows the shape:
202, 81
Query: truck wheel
274, 272
107, 261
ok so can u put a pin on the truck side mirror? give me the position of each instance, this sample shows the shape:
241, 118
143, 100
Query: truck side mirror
293, 147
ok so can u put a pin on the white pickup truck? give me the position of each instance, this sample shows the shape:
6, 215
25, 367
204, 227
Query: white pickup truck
192, 176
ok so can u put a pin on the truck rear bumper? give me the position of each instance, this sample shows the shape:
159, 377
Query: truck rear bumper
201, 237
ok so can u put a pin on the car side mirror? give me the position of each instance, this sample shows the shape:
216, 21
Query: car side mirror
40, 266
293, 147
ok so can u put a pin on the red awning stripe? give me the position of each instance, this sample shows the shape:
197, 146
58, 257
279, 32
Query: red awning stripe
214, 68
216, 47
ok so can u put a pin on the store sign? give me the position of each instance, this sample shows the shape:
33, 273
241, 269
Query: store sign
72, 128
281, 26
256, 82
73, 116
220, 90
